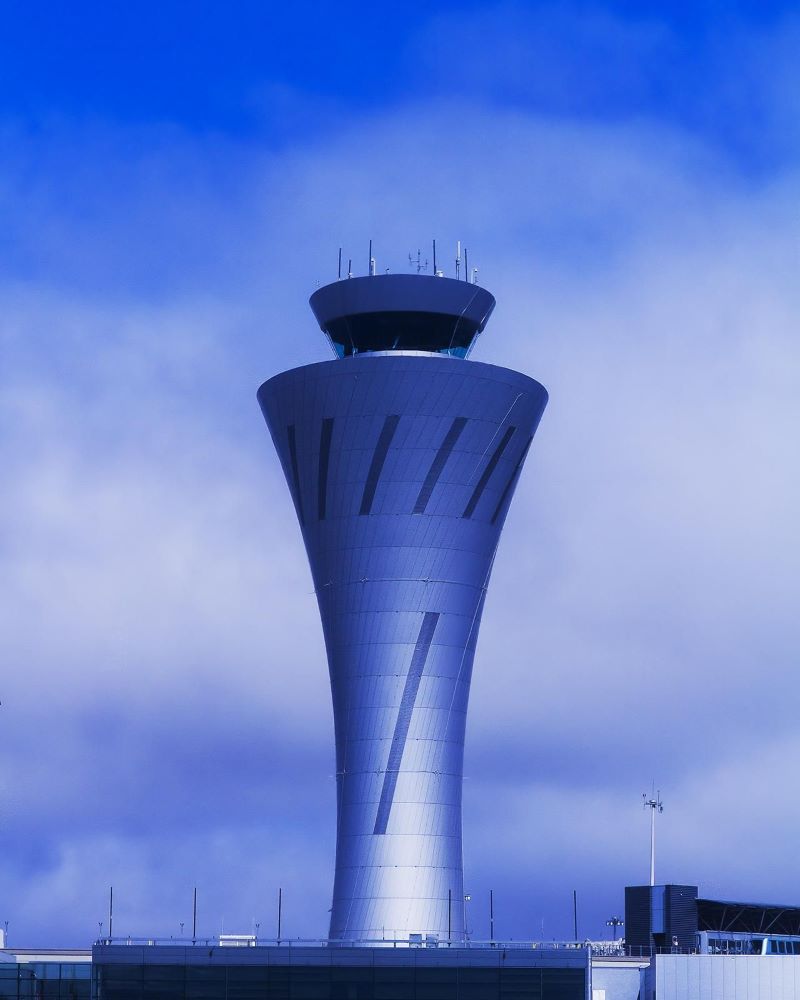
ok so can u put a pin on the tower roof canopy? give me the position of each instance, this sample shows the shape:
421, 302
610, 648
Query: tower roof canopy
402, 312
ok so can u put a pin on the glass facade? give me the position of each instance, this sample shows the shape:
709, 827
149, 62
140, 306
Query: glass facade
298, 982
343, 975
401, 312
401, 331
45, 980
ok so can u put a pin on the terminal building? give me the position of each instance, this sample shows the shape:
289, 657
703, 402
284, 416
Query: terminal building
739, 951
672, 918
210, 971
711, 949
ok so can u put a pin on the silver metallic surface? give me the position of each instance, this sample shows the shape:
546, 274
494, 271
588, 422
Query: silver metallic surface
401, 467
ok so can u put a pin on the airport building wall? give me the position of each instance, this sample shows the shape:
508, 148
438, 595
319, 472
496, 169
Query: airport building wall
307, 973
722, 977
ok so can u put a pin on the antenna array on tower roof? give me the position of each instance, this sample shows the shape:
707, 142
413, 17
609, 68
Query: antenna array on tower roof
416, 263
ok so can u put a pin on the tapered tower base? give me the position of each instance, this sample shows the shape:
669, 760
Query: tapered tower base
402, 466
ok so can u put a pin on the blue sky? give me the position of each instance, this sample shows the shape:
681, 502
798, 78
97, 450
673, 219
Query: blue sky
724, 70
174, 182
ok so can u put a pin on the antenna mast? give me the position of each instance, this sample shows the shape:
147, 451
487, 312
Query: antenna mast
654, 804
418, 262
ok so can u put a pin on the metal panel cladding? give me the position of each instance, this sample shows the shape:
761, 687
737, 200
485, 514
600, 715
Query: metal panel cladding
401, 467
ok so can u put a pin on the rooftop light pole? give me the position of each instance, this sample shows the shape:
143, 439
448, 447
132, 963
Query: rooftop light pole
615, 922
654, 804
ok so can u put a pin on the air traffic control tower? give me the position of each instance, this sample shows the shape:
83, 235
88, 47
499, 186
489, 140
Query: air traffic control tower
401, 457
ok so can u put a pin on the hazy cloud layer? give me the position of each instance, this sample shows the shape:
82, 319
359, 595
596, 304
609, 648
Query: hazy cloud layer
165, 714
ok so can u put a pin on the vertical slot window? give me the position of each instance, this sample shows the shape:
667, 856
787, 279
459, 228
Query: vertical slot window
438, 464
511, 480
491, 465
378, 461
413, 678
326, 435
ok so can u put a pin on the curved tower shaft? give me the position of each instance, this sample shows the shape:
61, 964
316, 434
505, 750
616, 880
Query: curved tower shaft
402, 458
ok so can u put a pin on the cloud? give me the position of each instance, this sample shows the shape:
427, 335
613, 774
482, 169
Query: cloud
165, 708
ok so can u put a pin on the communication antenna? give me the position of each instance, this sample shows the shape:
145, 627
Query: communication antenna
418, 262
654, 804
340, 264
369, 265
466, 266
350, 268
575, 913
437, 273
458, 258
474, 276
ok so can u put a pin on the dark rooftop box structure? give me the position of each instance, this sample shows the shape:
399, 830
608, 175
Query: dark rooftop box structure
660, 916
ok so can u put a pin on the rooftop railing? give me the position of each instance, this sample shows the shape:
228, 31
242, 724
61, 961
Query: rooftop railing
256, 941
